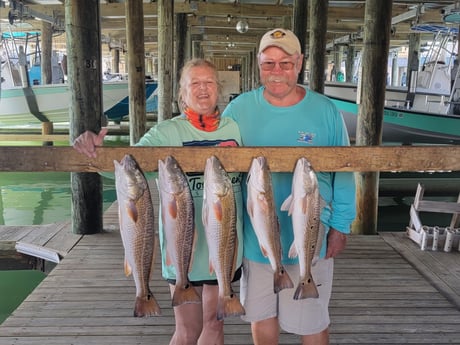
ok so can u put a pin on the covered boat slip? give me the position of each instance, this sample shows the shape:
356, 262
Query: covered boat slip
381, 295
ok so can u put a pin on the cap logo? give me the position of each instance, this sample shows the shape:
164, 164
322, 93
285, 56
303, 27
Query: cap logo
278, 34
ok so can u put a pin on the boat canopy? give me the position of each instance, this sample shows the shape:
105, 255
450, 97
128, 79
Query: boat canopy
434, 28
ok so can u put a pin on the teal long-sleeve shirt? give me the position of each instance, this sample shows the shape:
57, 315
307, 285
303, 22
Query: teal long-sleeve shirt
314, 121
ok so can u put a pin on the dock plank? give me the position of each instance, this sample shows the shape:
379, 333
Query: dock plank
56, 237
440, 268
379, 297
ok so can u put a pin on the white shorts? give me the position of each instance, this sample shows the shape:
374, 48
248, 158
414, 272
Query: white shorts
302, 317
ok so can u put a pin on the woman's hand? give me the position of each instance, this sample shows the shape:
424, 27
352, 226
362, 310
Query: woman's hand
87, 142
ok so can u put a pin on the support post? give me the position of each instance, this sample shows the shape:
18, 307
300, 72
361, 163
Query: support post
299, 26
165, 58
318, 30
377, 24
46, 49
85, 80
136, 67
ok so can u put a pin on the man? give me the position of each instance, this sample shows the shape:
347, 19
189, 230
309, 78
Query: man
282, 113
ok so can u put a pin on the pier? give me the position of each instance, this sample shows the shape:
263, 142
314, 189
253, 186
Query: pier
386, 291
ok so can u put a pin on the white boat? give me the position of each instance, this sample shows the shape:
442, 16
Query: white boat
428, 113
43, 103
23, 101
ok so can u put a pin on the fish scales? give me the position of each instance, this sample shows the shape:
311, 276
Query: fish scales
303, 206
178, 217
219, 220
136, 219
262, 213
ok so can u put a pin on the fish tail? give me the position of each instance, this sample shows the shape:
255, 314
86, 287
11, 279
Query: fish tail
306, 289
185, 294
146, 306
281, 280
229, 306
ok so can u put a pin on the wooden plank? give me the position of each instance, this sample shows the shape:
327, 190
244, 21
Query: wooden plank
40, 234
63, 240
364, 158
378, 298
444, 275
438, 206
34, 137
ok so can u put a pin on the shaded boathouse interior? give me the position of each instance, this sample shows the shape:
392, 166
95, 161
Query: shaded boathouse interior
413, 296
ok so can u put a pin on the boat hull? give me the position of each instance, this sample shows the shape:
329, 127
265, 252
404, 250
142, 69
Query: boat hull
19, 106
401, 125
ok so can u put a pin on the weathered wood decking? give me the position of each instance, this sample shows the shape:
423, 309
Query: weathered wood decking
378, 298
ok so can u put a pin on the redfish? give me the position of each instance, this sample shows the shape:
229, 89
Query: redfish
303, 206
177, 212
219, 220
135, 213
262, 212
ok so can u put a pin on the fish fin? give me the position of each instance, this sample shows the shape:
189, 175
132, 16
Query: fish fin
194, 242
286, 205
146, 306
235, 257
250, 208
217, 206
281, 280
229, 306
153, 258
292, 251
128, 269
306, 289
204, 214
264, 251
263, 202
211, 267
305, 204
314, 260
185, 293
172, 209
132, 210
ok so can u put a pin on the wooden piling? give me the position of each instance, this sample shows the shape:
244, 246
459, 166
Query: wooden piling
136, 67
82, 20
377, 23
46, 52
300, 25
165, 58
47, 129
318, 29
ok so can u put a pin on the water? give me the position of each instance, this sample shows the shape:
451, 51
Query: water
34, 198
40, 198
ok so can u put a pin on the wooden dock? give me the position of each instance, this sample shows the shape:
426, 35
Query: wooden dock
382, 295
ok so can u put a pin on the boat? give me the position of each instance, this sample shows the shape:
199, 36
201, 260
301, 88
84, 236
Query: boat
427, 113
26, 103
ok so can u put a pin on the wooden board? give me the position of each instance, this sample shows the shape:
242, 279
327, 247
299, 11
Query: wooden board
378, 298
375, 158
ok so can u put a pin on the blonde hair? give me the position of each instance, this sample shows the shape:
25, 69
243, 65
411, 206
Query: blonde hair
185, 71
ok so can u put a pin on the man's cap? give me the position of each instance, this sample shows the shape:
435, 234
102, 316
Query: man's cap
281, 38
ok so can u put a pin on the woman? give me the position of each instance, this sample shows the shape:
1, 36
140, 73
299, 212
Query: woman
199, 124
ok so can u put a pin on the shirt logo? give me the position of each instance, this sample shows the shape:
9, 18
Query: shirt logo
305, 137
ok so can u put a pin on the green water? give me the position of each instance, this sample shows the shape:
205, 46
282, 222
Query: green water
15, 286
28, 198
40, 198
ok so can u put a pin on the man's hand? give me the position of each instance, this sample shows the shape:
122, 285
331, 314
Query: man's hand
336, 242
87, 142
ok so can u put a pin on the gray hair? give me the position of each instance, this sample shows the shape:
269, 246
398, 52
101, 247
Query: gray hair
185, 71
